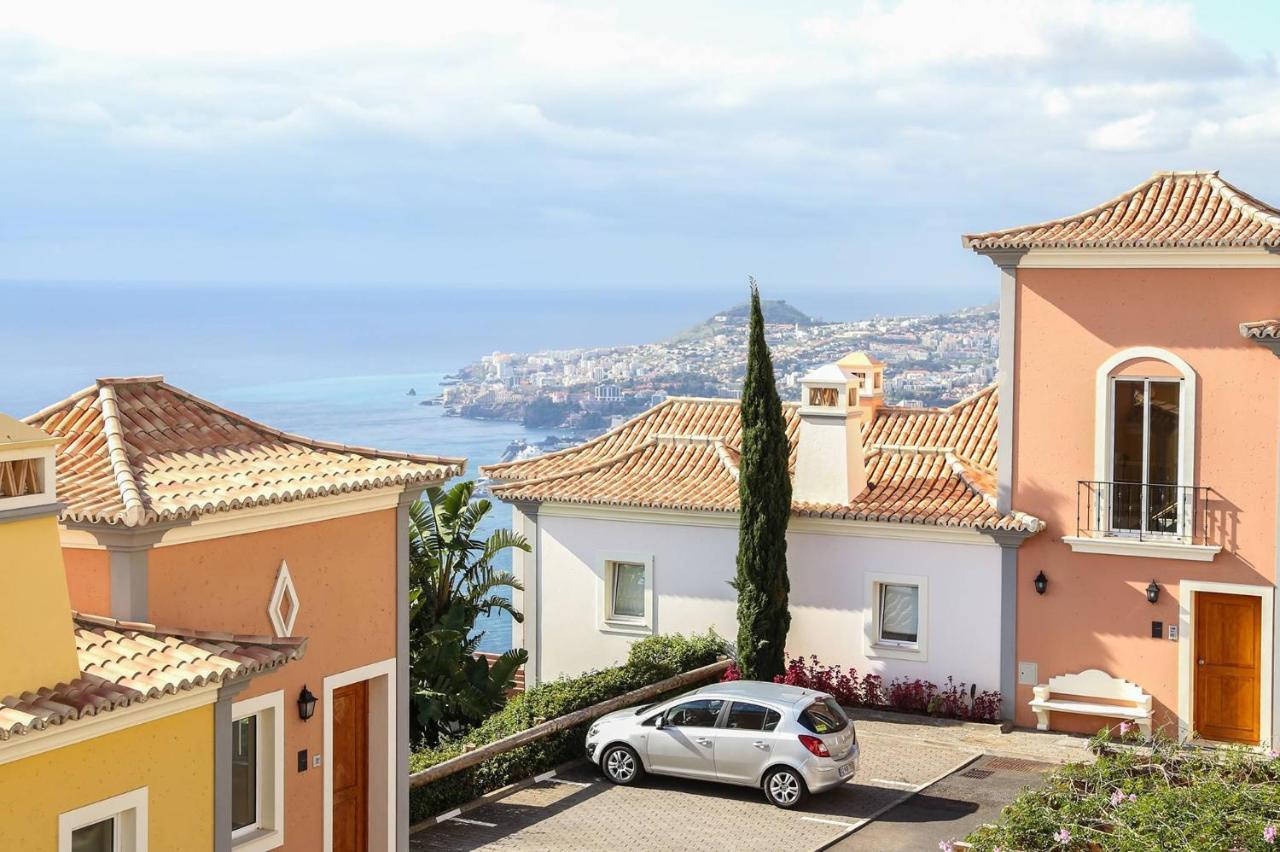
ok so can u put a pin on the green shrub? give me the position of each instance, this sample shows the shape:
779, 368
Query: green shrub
650, 660
1167, 797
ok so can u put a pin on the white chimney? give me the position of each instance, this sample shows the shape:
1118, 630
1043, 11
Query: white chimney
829, 463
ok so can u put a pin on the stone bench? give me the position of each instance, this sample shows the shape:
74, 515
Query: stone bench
1099, 686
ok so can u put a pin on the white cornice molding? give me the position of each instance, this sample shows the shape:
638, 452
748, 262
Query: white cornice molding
106, 722
239, 522
1243, 257
812, 526
1145, 549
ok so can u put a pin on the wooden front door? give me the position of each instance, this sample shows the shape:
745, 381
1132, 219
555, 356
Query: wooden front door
351, 768
1228, 667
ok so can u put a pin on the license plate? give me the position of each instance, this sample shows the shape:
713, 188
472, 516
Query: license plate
845, 771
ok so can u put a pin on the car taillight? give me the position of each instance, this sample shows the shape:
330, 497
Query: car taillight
815, 745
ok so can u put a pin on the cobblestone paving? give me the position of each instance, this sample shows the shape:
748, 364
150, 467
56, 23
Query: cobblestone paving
668, 813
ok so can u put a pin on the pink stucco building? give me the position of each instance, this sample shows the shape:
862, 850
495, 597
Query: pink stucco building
1140, 420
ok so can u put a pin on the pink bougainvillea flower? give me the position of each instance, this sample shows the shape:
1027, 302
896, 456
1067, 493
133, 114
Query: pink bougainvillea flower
1272, 753
1062, 836
1125, 727
945, 846
1269, 834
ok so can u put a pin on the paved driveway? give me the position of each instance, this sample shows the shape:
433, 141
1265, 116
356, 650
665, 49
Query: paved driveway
578, 809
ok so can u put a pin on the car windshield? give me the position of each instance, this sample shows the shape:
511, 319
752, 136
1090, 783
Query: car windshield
824, 716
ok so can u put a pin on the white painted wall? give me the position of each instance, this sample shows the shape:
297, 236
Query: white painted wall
692, 565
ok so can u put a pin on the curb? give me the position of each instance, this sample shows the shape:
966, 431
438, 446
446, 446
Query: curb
490, 797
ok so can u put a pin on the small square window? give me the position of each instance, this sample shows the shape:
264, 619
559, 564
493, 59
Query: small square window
118, 824
899, 614
628, 592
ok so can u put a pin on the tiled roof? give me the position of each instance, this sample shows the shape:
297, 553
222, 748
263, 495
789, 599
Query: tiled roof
138, 451
1261, 330
124, 663
1171, 209
925, 466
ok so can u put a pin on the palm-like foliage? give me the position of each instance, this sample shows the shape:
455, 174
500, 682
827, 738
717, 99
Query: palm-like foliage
452, 582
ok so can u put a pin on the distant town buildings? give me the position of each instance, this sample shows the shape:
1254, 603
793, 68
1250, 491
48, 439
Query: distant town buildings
934, 360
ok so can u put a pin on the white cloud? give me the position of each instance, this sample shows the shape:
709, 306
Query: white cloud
538, 111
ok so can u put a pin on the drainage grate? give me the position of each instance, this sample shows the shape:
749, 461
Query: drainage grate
1016, 764
977, 773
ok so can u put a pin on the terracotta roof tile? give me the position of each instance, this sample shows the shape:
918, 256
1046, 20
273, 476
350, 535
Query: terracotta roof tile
1171, 209
124, 663
1260, 330
138, 451
926, 466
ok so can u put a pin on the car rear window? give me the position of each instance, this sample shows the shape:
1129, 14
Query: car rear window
824, 716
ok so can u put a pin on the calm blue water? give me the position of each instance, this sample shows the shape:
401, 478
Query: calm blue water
375, 411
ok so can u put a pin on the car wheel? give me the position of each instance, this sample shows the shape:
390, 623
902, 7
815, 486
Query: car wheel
785, 788
621, 765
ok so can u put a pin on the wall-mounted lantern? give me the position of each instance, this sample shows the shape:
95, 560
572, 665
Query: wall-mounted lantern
1042, 583
1153, 592
306, 704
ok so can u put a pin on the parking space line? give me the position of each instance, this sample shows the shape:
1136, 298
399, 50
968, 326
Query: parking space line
480, 823
849, 825
571, 783
901, 785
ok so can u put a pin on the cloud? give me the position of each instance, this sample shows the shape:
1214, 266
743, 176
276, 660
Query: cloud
672, 127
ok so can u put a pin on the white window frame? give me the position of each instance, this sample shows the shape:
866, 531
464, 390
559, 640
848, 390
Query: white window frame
892, 649
1115, 543
129, 810
268, 831
610, 622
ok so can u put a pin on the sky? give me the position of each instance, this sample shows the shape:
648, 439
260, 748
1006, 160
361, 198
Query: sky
615, 146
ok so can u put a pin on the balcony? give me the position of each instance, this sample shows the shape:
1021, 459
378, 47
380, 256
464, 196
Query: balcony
1143, 519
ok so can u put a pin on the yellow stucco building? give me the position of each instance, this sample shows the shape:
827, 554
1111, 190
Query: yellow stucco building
114, 736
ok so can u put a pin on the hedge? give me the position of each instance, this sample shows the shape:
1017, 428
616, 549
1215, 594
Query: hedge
649, 661
1162, 796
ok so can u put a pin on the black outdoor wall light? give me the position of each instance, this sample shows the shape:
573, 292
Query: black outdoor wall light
1042, 583
306, 704
1153, 592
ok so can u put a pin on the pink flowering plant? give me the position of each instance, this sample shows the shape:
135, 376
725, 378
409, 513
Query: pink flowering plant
953, 700
1157, 795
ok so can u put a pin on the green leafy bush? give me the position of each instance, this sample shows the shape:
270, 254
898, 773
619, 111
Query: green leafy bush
1163, 797
650, 660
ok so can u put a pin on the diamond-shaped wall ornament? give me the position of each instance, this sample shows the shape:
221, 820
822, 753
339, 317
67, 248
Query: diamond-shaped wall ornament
283, 609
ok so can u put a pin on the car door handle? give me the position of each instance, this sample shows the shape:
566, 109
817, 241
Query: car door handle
703, 741
761, 744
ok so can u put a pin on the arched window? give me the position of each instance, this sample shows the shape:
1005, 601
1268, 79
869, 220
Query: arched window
1144, 447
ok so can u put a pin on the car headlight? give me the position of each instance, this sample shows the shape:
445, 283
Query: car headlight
595, 729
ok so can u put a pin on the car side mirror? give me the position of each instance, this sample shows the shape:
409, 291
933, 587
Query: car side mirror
659, 723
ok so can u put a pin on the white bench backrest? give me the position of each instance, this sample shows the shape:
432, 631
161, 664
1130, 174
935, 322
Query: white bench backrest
1096, 684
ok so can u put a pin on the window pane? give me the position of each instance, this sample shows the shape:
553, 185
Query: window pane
746, 717
628, 589
1128, 431
899, 612
1162, 457
244, 772
99, 837
695, 714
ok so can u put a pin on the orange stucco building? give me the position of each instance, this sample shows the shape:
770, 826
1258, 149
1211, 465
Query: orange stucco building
1140, 420
179, 511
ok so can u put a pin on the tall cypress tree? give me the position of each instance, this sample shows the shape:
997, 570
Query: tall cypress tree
764, 495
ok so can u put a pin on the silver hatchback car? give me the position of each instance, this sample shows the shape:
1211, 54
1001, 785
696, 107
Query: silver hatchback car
788, 741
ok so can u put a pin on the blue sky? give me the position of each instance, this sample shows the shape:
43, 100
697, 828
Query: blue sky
647, 144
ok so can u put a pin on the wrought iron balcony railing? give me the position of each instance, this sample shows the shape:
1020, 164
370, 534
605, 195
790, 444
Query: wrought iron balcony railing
1144, 511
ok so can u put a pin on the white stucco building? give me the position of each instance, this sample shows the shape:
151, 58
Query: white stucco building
899, 562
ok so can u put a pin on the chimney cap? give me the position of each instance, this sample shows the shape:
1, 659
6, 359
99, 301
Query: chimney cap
829, 374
